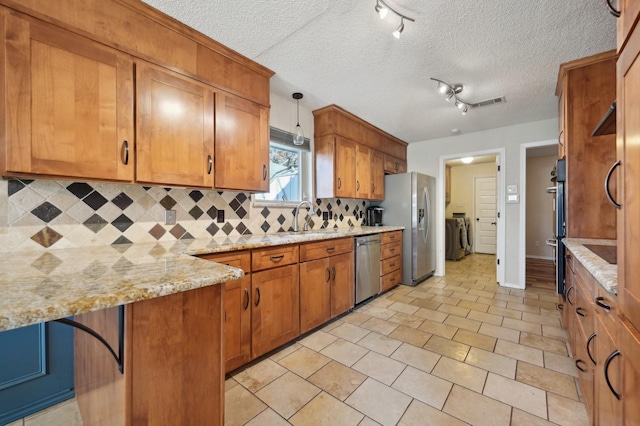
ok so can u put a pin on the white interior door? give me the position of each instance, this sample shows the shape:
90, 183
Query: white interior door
486, 220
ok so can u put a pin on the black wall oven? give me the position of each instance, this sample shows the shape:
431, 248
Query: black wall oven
560, 223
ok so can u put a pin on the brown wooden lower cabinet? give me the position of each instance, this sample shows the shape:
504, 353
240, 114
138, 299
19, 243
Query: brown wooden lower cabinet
390, 260
275, 310
608, 377
326, 281
173, 362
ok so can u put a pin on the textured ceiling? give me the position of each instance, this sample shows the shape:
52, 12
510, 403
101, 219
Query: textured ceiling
340, 52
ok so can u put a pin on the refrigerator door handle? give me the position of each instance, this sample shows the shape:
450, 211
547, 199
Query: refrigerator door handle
427, 204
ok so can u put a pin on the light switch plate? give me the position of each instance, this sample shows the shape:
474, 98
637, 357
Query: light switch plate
512, 189
169, 217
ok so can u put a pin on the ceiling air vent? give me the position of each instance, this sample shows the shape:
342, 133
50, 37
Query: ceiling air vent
488, 102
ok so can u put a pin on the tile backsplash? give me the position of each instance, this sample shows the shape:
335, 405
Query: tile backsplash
41, 214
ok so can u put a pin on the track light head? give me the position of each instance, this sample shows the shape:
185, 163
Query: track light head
400, 28
451, 91
381, 10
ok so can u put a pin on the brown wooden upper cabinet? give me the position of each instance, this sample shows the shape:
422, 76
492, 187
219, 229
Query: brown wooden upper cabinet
352, 156
242, 144
68, 104
201, 110
586, 88
175, 128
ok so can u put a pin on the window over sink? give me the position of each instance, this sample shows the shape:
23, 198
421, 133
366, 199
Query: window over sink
290, 171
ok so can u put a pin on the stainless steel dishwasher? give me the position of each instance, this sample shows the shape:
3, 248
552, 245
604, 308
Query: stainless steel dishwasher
367, 267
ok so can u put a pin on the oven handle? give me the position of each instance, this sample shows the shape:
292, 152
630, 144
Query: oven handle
552, 242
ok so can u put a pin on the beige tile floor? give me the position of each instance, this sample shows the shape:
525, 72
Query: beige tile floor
454, 350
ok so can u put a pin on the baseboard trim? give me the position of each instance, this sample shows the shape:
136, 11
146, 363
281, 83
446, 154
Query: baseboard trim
510, 285
531, 256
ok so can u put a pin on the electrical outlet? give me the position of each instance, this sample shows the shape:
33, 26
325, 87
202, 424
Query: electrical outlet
169, 217
537, 243
325, 215
220, 217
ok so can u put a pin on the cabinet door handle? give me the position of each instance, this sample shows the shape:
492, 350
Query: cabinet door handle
615, 13
600, 302
125, 152
560, 137
264, 172
328, 275
225, 315
593, 336
258, 298
357, 185
606, 372
568, 257
578, 361
579, 312
334, 273
210, 160
606, 185
569, 292
276, 258
397, 166
560, 306
339, 183
246, 299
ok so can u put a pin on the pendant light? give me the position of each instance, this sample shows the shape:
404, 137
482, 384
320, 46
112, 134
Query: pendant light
298, 136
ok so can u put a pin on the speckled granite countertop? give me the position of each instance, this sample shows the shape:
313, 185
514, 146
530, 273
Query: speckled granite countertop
42, 286
605, 273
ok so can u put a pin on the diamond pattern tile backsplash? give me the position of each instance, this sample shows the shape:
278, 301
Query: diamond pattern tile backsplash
41, 214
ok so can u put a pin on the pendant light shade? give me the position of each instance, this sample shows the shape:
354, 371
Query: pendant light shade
298, 137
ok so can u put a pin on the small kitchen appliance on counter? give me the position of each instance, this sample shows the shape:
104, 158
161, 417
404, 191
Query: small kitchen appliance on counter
374, 216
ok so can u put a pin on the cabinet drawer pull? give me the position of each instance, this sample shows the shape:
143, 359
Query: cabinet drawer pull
277, 258
246, 299
568, 257
258, 298
560, 306
569, 292
210, 169
606, 372
606, 185
330, 249
593, 336
615, 13
264, 172
125, 152
600, 302
579, 312
391, 265
578, 361
328, 275
392, 279
339, 183
392, 250
397, 166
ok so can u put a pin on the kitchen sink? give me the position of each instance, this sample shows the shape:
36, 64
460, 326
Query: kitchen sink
608, 253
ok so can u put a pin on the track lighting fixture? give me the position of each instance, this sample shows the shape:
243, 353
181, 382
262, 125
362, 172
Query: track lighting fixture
451, 91
382, 9
298, 136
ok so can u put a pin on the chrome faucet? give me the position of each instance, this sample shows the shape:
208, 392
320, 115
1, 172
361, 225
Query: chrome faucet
295, 218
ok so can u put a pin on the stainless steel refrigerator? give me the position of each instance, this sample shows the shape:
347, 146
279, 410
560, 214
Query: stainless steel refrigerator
409, 201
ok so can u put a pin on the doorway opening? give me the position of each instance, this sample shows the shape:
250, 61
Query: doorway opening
537, 160
470, 207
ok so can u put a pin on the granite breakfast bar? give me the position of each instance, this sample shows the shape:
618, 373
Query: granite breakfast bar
156, 304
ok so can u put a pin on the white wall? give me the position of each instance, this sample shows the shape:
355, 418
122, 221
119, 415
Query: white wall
425, 157
539, 207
